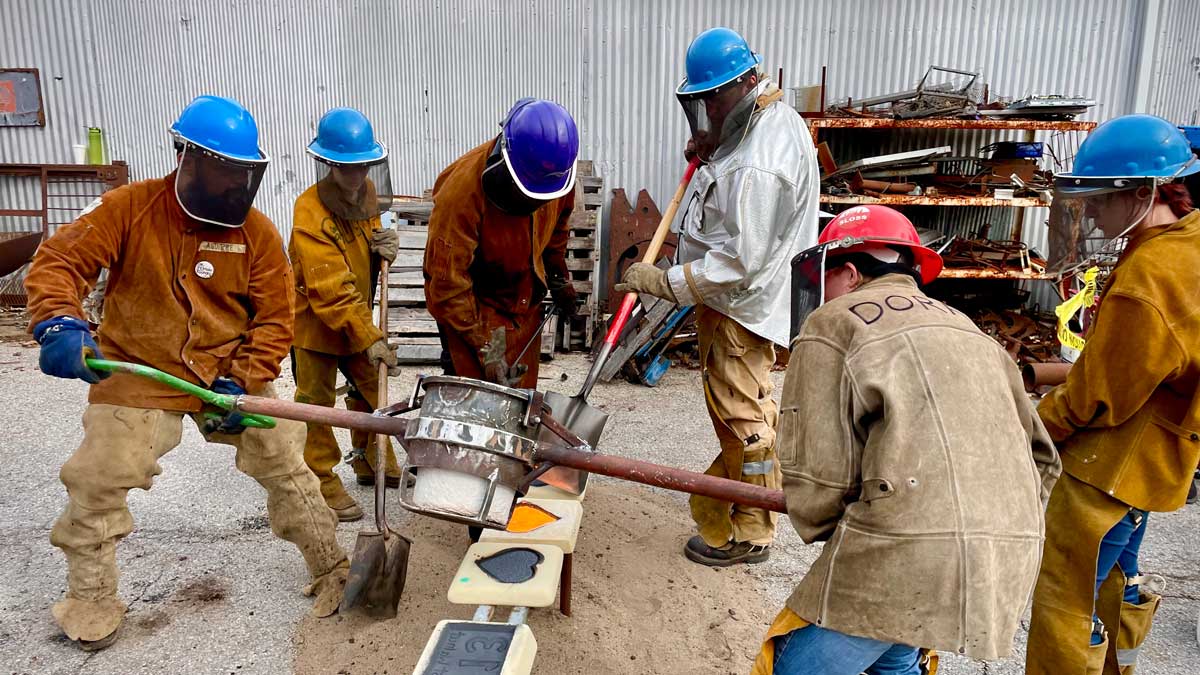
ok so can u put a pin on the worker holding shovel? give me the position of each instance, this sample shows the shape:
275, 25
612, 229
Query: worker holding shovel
337, 249
497, 242
199, 287
748, 210
910, 448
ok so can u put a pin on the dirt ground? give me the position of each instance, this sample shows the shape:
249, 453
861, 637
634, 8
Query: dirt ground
638, 604
12, 326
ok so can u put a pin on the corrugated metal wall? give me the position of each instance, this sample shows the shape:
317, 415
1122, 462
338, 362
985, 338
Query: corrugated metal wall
436, 75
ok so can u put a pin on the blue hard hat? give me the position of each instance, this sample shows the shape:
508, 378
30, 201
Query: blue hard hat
716, 57
222, 126
344, 136
1134, 146
540, 146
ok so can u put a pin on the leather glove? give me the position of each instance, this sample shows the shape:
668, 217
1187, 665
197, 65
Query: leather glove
646, 278
231, 422
385, 243
566, 299
66, 342
381, 352
495, 367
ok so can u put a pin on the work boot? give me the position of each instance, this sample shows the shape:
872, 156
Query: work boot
732, 553
343, 505
91, 625
364, 471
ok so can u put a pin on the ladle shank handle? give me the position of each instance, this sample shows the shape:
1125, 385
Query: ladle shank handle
622, 316
667, 477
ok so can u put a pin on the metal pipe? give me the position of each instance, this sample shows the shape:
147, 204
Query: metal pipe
666, 477
334, 417
1044, 374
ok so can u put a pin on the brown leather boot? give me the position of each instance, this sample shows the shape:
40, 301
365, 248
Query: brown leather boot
732, 553
344, 506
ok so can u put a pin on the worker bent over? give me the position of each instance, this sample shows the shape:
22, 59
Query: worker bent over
749, 209
1127, 419
910, 448
338, 249
199, 287
497, 242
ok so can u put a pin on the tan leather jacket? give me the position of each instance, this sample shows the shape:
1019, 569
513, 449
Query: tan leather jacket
907, 442
1127, 420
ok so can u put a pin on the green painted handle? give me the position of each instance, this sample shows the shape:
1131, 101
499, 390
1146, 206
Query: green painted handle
223, 401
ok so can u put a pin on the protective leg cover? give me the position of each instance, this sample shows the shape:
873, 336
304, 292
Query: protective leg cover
120, 451
316, 383
357, 368
1135, 627
1077, 518
787, 621
274, 458
737, 390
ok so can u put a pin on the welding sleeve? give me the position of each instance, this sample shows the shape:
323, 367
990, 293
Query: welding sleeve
745, 218
454, 231
819, 453
68, 263
1130, 352
272, 300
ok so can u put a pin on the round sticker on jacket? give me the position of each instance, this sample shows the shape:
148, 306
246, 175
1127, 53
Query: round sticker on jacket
204, 269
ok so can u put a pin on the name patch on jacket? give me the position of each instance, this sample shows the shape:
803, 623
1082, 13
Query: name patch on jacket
870, 311
220, 247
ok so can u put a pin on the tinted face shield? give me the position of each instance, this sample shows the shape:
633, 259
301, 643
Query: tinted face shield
719, 119
501, 190
808, 284
1089, 217
216, 189
357, 191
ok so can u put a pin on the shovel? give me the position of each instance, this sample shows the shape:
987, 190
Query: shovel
380, 562
575, 414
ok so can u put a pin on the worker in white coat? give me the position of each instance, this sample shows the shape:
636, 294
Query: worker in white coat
750, 208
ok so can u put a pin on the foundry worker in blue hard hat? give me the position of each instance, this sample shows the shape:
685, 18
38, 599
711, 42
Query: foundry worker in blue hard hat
749, 210
1127, 419
338, 248
199, 287
497, 242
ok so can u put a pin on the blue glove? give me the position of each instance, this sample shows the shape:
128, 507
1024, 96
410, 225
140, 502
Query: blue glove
66, 342
231, 422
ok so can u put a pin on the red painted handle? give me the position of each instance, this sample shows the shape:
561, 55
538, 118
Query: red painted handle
660, 235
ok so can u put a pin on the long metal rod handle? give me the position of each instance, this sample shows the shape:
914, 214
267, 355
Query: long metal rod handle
381, 402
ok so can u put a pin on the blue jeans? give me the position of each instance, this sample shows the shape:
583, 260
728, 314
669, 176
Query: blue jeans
813, 650
1120, 547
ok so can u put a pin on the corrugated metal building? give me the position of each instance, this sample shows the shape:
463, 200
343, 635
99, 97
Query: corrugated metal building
435, 76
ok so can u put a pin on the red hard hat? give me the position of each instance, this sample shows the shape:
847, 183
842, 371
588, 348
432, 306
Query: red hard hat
872, 226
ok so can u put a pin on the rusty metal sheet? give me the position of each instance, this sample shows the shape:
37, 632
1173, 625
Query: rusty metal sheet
630, 230
16, 249
915, 200
946, 123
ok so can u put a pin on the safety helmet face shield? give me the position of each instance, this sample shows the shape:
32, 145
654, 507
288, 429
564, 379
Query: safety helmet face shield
808, 284
355, 190
501, 187
1089, 217
216, 189
719, 118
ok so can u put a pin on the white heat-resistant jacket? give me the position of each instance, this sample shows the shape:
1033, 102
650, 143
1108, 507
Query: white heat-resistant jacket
743, 218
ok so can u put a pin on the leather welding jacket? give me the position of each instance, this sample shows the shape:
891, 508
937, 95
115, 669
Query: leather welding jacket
332, 264
908, 444
745, 216
1127, 419
198, 301
484, 267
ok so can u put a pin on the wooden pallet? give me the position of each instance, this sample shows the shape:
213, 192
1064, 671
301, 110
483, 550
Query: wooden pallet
583, 254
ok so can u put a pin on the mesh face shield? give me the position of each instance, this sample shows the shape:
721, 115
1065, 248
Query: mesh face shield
1090, 217
357, 191
216, 189
719, 119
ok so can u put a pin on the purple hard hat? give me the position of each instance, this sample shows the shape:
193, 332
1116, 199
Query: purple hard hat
540, 146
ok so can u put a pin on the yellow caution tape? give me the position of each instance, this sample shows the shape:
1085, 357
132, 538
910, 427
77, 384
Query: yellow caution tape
1072, 342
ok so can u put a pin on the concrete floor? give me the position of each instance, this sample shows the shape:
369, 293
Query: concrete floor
212, 591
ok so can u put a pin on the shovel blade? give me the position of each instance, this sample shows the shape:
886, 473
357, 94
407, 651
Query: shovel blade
377, 574
584, 421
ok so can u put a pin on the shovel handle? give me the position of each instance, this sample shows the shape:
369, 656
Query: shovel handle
381, 402
622, 316
222, 401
